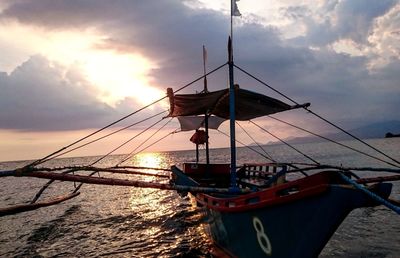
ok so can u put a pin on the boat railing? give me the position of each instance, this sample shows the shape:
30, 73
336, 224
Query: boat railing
288, 192
260, 174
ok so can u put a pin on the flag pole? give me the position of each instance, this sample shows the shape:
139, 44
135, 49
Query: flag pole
232, 8
234, 12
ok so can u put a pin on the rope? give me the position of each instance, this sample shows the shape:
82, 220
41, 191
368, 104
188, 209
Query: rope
241, 143
266, 153
148, 138
284, 142
351, 135
330, 140
372, 195
320, 117
157, 141
91, 174
51, 156
71, 170
263, 83
126, 142
107, 135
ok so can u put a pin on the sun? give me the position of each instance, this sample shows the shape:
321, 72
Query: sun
120, 76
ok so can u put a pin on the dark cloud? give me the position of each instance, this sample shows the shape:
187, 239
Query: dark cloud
172, 34
355, 18
43, 95
39, 95
348, 19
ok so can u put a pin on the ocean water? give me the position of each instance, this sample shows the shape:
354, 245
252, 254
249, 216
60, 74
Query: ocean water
131, 222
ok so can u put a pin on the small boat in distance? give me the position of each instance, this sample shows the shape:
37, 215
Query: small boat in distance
265, 209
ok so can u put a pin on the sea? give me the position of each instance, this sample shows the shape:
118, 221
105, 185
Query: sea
114, 221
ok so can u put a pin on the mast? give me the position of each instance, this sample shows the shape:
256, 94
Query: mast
205, 90
232, 116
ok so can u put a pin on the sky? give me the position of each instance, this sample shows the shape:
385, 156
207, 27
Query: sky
70, 67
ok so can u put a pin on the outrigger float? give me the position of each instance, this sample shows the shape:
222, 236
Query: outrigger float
253, 209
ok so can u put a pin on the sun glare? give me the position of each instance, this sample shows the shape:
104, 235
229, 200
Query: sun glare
117, 75
120, 76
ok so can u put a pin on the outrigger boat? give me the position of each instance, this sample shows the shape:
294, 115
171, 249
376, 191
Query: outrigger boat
253, 209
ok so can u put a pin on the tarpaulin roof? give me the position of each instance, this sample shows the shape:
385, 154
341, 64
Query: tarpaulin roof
189, 123
249, 104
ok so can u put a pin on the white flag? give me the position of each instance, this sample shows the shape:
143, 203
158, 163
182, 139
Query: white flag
235, 9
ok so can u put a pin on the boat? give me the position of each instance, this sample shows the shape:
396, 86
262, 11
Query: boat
265, 214
264, 209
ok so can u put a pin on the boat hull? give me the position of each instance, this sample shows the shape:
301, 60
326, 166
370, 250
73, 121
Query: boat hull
300, 228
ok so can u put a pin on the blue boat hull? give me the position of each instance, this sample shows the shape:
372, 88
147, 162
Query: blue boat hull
296, 229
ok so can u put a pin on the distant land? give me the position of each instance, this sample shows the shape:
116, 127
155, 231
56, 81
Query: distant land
390, 135
374, 130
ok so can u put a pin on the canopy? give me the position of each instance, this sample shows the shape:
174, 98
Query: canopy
249, 104
189, 123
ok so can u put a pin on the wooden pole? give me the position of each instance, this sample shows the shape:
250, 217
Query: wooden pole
125, 182
33, 206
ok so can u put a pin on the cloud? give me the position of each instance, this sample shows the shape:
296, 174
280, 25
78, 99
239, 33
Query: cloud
385, 38
171, 34
337, 20
164, 31
40, 95
362, 15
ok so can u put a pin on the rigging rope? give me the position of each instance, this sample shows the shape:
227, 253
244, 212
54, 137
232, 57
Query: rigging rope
128, 156
107, 135
351, 135
284, 142
72, 170
126, 142
39, 161
266, 153
157, 141
330, 140
91, 174
245, 145
315, 114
